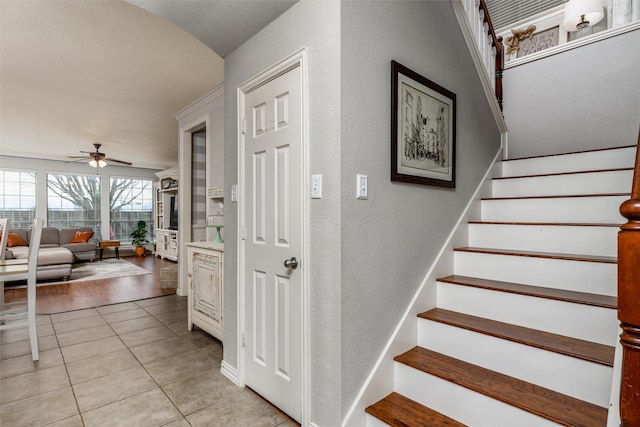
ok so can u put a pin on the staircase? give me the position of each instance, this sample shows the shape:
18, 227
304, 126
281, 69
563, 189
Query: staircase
524, 331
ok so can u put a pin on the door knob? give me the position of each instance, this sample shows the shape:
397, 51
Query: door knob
291, 263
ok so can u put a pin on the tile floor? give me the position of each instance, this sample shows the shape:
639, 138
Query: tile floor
130, 364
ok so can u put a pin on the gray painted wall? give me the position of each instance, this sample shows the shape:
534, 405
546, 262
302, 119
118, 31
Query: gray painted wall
390, 240
581, 99
367, 257
316, 25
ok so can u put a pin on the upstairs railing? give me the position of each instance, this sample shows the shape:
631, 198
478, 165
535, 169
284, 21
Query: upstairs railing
490, 45
629, 302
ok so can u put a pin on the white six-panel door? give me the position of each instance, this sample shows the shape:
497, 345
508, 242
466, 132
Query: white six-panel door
273, 220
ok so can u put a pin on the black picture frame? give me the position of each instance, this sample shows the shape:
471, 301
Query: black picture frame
423, 129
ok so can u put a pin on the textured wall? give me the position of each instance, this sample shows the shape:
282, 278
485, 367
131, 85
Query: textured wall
390, 240
314, 24
581, 99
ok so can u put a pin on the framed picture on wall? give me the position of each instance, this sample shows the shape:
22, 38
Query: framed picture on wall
423, 129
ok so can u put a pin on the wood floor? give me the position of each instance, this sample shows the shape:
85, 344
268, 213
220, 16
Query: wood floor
95, 293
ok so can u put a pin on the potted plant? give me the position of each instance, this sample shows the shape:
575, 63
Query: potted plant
139, 238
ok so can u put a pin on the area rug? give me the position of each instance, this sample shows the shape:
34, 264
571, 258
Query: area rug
83, 271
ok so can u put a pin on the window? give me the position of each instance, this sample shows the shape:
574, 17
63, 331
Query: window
130, 201
18, 197
73, 201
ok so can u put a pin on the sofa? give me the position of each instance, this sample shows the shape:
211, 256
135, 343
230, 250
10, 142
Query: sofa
59, 249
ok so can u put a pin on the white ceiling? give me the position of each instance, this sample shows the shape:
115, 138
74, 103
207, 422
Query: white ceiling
77, 73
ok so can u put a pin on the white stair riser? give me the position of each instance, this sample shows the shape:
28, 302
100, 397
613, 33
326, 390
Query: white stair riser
608, 159
602, 209
581, 276
375, 422
579, 321
574, 377
460, 403
583, 183
599, 241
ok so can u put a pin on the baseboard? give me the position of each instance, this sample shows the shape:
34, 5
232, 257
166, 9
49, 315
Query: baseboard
379, 383
229, 371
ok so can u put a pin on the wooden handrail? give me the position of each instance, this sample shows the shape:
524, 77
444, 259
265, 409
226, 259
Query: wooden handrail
629, 302
497, 43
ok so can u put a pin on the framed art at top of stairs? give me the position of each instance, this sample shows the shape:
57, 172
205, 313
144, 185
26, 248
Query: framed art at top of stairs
423, 129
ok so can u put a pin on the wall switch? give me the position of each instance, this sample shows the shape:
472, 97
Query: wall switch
362, 187
316, 186
234, 193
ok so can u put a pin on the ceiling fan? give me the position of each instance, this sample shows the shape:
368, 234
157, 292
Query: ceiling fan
98, 159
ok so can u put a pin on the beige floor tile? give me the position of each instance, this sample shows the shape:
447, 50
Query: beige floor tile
213, 351
114, 308
165, 307
146, 336
32, 384
74, 421
177, 367
21, 348
160, 350
40, 410
148, 409
135, 325
247, 409
101, 365
198, 338
199, 391
73, 315
111, 388
77, 324
24, 364
90, 349
172, 316
22, 334
182, 422
84, 335
43, 319
180, 327
121, 316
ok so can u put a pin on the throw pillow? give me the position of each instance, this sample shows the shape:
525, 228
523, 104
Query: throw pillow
81, 237
14, 239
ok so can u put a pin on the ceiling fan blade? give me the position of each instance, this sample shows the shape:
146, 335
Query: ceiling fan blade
78, 157
108, 159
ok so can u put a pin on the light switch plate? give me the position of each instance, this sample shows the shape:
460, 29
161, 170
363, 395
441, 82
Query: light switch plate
316, 186
234, 193
362, 189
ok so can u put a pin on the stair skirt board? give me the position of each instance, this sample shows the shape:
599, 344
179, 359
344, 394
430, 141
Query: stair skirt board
622, 157
573, 320
565, 184
587, 240
583, 380
580, 276
460, 403
594, 209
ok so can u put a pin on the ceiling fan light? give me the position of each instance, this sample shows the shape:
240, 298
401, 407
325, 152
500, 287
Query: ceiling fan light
93, 163
102, 163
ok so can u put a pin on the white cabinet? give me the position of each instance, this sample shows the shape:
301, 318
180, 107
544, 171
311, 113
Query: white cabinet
167, 244
205, 286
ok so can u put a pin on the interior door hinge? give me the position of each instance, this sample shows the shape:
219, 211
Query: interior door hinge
242, 233
243, 343
243, 126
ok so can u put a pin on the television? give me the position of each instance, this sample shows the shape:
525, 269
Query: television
173, 213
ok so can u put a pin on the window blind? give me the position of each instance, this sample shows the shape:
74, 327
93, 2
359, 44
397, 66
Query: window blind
507, 12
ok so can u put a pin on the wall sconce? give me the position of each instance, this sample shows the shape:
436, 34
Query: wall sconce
580, 14
95, 163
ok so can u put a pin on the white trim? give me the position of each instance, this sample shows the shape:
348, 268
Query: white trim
200, 102
594, 38
403, 335
229, 372
476, 56
297, 59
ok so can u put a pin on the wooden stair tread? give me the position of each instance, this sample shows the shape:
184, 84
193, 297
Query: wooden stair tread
554, 406
562, 173
550, 224
557, 196
581, 349
597, 300
534, 254
542, 156
400, 411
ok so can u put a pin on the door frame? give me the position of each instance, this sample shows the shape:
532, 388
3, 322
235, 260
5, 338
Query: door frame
297, 59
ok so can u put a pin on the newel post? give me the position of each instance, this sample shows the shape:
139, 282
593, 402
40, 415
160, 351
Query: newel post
629, 303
